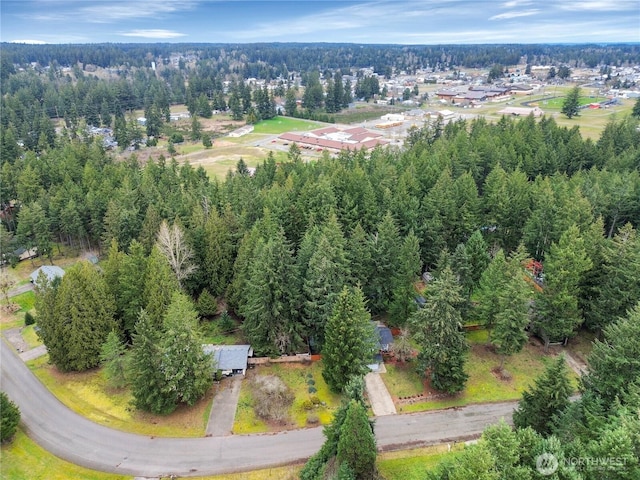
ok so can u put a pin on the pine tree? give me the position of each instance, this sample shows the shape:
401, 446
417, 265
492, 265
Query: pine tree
187, 370
509, 335
349, 339
359, 254
571, 104
384, 253
558, 314
112, 357
437, 328
271, 312
131, 283
492, 281
548, 396
147, 379
357, 444
84, 311
159, 285
614, 365
219, 253
9, 418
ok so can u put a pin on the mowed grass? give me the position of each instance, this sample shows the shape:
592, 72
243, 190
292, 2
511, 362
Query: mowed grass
415, 463
295, 376
23, 459
483, 384
88, 394
285, 124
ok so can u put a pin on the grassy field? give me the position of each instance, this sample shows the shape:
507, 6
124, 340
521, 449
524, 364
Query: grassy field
285, 124
87, 394
483, 385
295, 376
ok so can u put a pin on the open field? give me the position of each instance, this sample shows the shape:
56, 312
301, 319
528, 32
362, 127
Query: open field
412, 394
295, 376
87, 394
280, 125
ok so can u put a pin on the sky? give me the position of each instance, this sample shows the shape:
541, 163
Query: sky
383, 21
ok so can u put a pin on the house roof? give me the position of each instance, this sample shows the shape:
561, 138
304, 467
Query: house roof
50, 271
229, 357
384, 334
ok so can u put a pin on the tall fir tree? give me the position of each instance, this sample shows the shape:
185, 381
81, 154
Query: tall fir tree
272, 324
131, 283
159, 285
437, 328
188, 371
548, 397
556, 306
84, 314
357, 443
349, 339
113, 360
147, 379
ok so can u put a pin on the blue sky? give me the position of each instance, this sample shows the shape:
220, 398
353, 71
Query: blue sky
384, 21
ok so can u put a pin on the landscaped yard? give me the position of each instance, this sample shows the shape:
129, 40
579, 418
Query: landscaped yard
297, 377
87, 394
411, 394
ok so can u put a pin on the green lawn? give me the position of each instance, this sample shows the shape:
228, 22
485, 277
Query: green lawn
26, 301
285, 124
483, 385
23, 459
87, 394
413, 464
295, 376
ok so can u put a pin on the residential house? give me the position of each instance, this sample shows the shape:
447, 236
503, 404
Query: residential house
230, 359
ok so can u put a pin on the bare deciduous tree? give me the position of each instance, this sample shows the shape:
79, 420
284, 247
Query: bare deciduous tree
6, 283
173, 245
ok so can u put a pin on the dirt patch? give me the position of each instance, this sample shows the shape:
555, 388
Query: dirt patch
502, 374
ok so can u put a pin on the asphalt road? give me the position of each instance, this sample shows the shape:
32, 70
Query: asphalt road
80, 441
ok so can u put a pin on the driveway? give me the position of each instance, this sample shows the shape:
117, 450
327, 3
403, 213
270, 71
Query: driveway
379, 397
76, 439
223, 411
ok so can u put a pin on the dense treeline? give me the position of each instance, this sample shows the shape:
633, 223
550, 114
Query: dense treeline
270, 60
517, 182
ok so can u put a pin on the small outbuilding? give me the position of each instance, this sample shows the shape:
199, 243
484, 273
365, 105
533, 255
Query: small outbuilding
51, 272
230, 359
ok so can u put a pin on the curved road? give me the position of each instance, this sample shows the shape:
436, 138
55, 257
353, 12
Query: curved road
78, 440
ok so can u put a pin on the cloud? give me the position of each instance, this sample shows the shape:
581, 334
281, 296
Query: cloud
516, 3
599, 5
32, 42
521, 13
153, 33
118, 11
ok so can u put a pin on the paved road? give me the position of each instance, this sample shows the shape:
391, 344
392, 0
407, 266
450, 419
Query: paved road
80, 441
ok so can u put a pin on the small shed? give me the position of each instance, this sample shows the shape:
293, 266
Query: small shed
231, 359
51, 272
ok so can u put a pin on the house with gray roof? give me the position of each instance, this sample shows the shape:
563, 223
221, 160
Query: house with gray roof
51, 272
231, 359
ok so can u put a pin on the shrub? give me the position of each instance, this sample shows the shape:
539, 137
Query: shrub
226, 322
307, 405
9, 418
176, 137
315, 400
152, 142
272, 398
312, 389
206, 141
207, 305
311, 381
29, 319
313, 419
